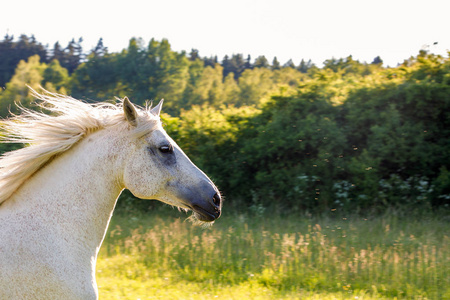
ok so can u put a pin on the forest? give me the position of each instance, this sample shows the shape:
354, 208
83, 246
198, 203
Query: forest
346, 136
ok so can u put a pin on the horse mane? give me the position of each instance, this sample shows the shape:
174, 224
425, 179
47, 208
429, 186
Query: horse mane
48, 135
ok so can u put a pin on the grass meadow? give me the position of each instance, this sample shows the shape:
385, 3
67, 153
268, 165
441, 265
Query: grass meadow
161, 256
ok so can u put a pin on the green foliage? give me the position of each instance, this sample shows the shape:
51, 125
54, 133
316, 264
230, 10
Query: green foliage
69, 57
55, 75
350, 66
350, 135
294, 139
353, 134
441, 184
255, 84
34, 74
210, 87
401, 124
210, 137
12, 52
27, 73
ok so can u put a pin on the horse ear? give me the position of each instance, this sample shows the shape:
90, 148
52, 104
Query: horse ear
130, 111
157, 109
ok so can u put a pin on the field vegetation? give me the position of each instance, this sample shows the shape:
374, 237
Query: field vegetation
160, 255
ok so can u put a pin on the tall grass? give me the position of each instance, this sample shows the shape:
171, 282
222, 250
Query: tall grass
271, 257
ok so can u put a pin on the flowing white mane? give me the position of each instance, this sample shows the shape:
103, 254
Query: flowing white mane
48, 135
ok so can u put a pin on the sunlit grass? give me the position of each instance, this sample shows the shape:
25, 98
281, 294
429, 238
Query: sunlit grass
162, 257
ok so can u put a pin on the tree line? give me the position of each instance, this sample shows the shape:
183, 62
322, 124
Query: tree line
346, 136
70, 57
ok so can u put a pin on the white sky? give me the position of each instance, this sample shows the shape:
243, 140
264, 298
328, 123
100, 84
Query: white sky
313, 29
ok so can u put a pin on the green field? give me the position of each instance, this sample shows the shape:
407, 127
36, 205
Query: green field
162, 256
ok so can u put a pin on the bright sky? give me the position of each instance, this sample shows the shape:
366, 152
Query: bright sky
297, 29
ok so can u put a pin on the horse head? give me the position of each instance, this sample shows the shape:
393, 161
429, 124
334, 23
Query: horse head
157, 168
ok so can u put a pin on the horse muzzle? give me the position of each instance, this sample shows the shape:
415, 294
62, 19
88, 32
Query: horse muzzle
209, 210
202, 198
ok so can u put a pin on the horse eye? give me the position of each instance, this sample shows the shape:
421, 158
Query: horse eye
166, 149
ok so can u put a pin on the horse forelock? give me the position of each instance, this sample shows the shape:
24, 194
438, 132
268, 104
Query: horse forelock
48, 135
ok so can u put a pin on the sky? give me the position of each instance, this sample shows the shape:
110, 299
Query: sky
288, 29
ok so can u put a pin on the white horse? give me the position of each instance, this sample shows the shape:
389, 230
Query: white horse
57, 195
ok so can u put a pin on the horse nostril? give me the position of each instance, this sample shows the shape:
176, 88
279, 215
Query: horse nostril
216, 199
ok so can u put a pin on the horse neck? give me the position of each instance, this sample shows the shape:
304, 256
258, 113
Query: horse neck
76, 193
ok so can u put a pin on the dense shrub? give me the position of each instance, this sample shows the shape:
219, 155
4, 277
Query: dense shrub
346, 136
339, 142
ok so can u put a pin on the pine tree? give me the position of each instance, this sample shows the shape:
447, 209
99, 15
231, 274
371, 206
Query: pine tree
248, 63
236, 65
69, 57
289, 64
7, 64
74, 55
100, 50
193, 55
377, 61
275, 64
261, 62
57, 52
303, 67
211, 61
226, 65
